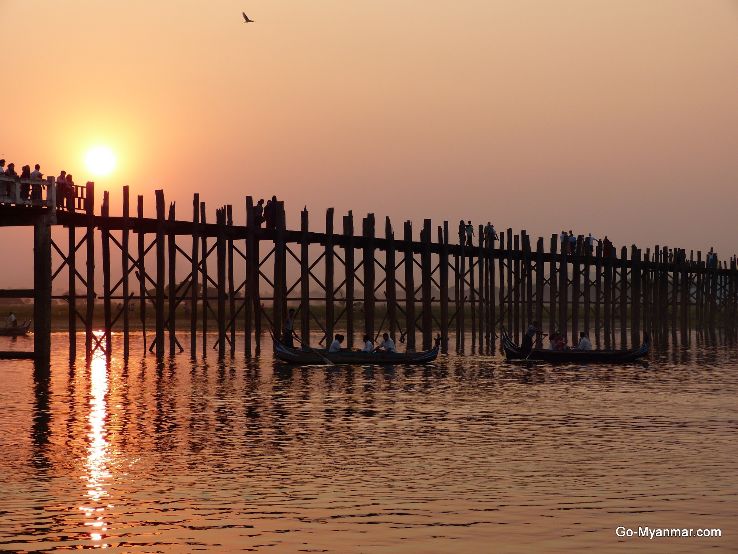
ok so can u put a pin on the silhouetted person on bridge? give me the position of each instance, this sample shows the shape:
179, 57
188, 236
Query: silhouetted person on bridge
69, 191
259, 213
25, 187
469, 234
2, 167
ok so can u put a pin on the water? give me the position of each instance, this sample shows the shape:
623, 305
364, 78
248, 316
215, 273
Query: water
469, 455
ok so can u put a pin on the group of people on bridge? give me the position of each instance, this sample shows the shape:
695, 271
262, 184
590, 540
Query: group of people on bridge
266, 213
30, 191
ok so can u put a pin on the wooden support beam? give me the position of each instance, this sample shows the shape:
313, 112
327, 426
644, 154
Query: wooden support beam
390, 267
90, 277
107, 308
443, 281
563, 289
369, 233
461, 293
330, 315
125, 259
517, 285
220, 218
195, 275
160, 274
492, 329
72, 284
540, 278
635, 296
349, 263
253, 225
409, 288
576, 290
481, 288
279, 306
172, 281
42, 293
426, 285
304, 278
624, 297
231, 285
205, 286
141, 271
552, 287
598, 293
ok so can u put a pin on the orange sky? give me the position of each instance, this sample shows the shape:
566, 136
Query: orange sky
615, 117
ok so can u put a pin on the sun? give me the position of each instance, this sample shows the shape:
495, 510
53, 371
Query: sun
100, 160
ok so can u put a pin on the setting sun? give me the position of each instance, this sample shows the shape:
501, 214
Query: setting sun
100, 160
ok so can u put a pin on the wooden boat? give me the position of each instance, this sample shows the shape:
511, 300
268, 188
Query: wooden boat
513, 352
17, 331
302, 356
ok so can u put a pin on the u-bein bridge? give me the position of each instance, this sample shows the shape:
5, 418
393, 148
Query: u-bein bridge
241, 279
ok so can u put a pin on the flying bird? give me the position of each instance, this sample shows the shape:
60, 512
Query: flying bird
246, 18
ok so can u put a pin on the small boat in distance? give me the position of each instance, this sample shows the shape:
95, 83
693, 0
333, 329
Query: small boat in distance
17, 331
514, 352
303, 356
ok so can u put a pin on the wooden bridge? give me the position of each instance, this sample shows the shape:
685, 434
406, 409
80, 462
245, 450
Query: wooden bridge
240, 280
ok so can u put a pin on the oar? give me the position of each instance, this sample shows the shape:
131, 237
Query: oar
314, 351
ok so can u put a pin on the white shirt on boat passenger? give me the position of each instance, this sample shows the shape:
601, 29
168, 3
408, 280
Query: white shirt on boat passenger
389, 345
335, 346
584, 344
368, 346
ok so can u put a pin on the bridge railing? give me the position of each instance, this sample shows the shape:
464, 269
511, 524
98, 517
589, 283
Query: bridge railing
28, 192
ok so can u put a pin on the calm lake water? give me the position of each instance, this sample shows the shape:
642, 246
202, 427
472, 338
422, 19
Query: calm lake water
469, 455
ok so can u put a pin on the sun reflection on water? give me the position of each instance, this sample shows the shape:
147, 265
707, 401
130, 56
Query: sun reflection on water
97, 451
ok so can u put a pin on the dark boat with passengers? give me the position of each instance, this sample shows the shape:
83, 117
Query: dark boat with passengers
15, 330
514, 353
313, 356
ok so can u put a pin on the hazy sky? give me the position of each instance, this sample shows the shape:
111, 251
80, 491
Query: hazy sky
618, 117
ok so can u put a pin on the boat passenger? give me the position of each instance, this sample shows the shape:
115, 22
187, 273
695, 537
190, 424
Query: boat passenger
388, 345
336, 344
558, 342
368, 344
12, 320
289, 329
527, 344
584, 342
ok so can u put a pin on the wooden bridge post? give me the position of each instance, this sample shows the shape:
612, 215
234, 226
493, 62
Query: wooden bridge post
195, 286
330, 316
349, 263
369, 273
220, 248
540, 281
391, 279
304, 277
576, 289
528, 272
231, 284
481, 288
426, 284
280, 271
598, 292
42, 292
443, 280
587, 294
205, 283
72, 280
492, 327
563, 289
409, 288
552, 288
461, 303
501, 263
125, 244
90, 277
517, 285
160, 274
105, 238
510, 287
472, 296
635, 296
252, 273
141, 263
607, 267
172, 281
624, 297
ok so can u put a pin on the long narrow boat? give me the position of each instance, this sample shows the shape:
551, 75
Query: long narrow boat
514, 352
17, 331
300, 356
